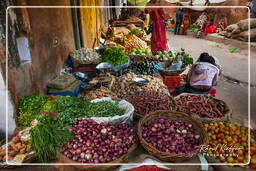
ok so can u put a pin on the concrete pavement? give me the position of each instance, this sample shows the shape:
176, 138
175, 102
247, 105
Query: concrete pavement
235, 64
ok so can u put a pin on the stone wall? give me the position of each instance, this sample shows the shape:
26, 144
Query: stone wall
50, 35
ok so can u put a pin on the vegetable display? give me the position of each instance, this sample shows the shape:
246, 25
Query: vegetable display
115, 55
203, 106
137, 51
86, 56
225, 136
143, 67
98, 143
149, 101
16, 147
47, 138
171, 136
135, 31
165, 56
126, 86
133, 41
30, 107
71, 108
186, 57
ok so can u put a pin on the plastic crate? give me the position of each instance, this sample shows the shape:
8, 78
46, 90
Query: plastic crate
172, 82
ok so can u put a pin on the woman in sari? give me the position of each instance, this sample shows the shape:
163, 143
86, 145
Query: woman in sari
210, 27
158, 40
186, 23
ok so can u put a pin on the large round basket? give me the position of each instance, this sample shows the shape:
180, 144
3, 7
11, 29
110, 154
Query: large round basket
172, 115
124, 158
226, 115
173, 108
164, 72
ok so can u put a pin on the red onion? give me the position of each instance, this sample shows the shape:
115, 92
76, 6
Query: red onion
98, 143
170, 136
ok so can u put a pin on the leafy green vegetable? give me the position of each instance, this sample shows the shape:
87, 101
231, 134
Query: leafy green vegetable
50, 106
233, 50
30, 107
47, 138
78, 108
192, 28
187, 59
135, 31
115, 55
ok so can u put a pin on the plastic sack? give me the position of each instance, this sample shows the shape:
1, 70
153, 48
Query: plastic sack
127, 117
177, 65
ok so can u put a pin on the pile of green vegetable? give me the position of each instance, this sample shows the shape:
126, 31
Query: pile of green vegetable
135, 31
193, 28
165, 56
68, 109
77, 108
136, 51
30, 107
115, 55
186, 57
50, 134
47, 138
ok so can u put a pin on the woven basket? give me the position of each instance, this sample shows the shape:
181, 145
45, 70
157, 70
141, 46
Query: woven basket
63, 159
164, 72
171, 115
138, 116
226, 115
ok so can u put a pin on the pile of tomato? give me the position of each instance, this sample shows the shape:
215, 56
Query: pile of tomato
228, 143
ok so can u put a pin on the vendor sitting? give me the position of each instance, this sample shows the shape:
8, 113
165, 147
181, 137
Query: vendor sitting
202, 76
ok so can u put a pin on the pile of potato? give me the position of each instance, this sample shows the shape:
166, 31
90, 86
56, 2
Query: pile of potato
17, 146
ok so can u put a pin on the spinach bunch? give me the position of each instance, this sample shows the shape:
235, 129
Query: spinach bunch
29, 108
115, 55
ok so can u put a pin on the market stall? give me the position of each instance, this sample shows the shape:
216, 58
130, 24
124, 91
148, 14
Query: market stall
123, 110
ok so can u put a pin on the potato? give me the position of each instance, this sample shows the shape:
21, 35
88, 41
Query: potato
22, 151
28, 148
15, 139
18, 146
13, 153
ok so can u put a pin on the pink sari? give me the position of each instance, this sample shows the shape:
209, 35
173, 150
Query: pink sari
158, 40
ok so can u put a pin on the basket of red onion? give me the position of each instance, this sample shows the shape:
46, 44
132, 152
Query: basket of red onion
203, 107
98, 143
171, 135
145, 102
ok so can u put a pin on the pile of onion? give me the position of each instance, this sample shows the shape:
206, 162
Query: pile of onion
98, 143
170, 136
